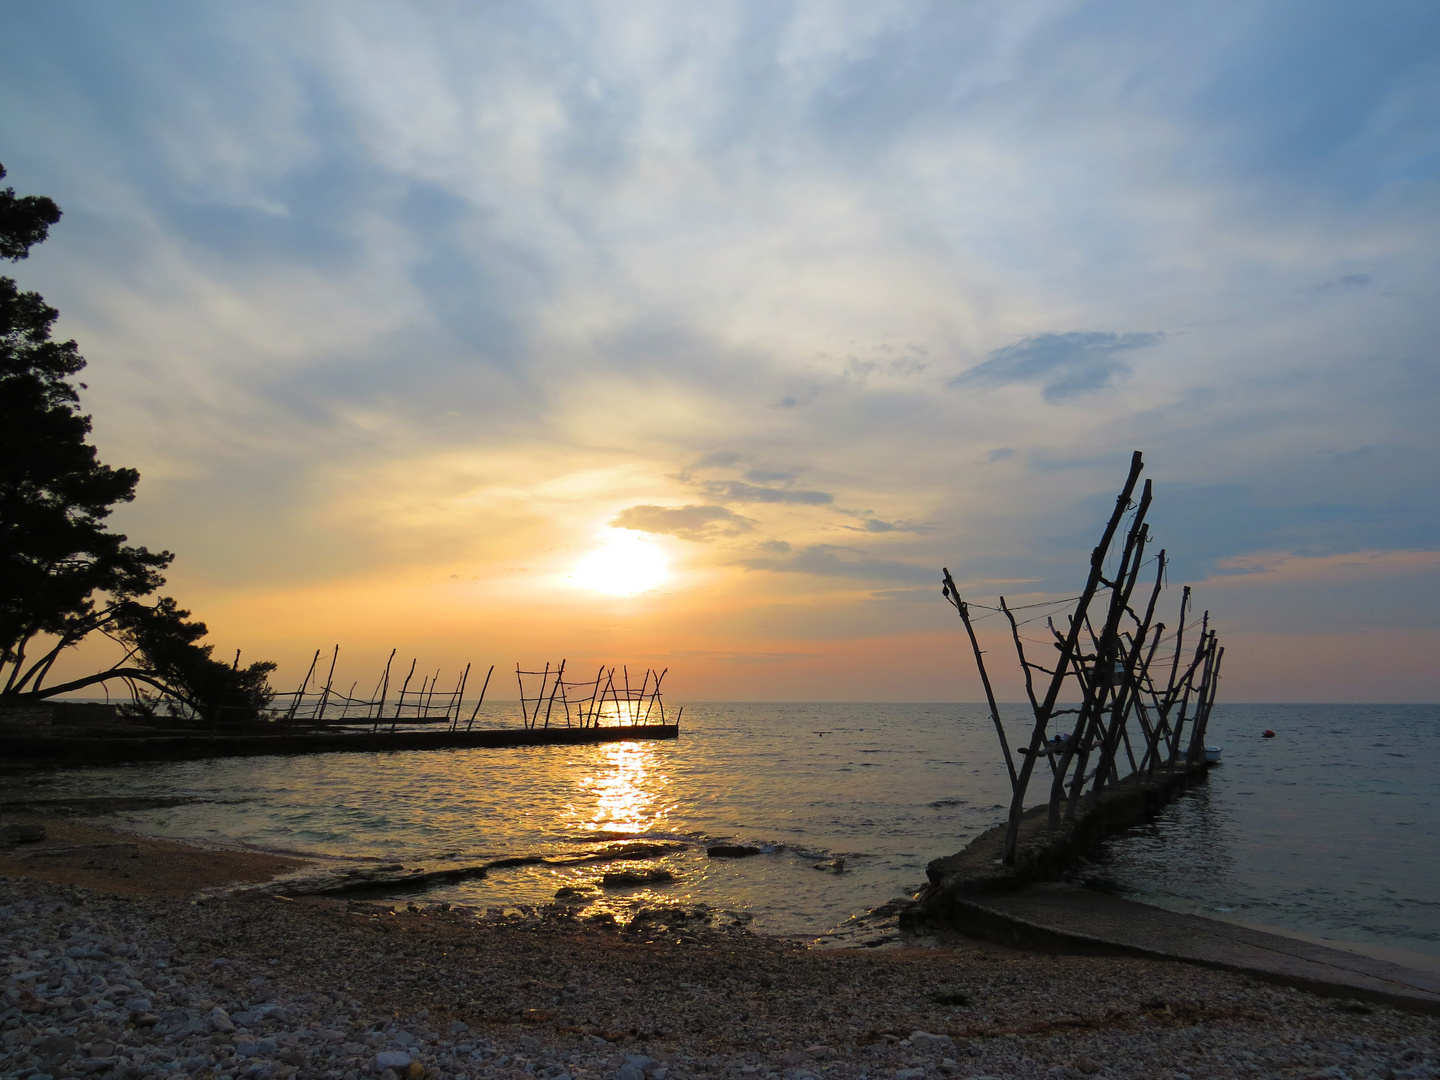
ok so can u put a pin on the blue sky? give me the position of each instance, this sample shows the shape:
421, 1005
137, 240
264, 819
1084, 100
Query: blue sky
383, 296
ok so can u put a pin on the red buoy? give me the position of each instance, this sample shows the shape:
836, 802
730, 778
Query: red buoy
1269, 734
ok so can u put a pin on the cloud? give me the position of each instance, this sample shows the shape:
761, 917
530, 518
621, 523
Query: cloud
1346, 281
1068, 365
312, 250
830, 560
718, 459
871, 524
702, 523
741, 492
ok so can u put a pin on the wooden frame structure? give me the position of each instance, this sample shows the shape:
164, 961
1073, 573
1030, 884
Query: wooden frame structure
1108, 648
603, 701
310, 707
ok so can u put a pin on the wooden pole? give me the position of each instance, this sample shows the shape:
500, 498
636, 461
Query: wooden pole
459, 695
384, 688
951, 593
590, 709
655, 696
482, 697
299, 694
400, 702
325, 694
560, 674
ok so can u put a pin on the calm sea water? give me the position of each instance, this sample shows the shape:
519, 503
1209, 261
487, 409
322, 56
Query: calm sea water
1331, 828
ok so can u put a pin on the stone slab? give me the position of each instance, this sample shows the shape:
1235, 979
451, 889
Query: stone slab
1065, 918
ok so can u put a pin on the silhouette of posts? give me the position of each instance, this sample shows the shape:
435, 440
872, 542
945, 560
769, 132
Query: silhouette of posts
1109, 669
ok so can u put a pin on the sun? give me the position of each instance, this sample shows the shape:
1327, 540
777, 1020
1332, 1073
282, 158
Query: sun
625, 564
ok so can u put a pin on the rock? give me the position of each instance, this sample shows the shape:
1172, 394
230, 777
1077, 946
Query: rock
403, 1038
629, 1072
923, 1040
949, 995
457, 1028
54, 1049
395, 1060
909, 1074
820, 1053
643, 1062
622, 879
220, 1020
1087, 1065
731, 851
14, 833
389, 1074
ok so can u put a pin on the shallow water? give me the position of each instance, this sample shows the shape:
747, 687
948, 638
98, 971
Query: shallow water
1320, 830
1331, 829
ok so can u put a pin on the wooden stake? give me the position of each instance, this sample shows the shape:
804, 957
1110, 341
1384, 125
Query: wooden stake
951, 593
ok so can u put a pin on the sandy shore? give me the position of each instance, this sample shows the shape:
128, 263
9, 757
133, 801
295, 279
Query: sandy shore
113, 971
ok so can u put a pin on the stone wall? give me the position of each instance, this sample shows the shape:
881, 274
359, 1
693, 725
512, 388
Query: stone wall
26, 719
42, 717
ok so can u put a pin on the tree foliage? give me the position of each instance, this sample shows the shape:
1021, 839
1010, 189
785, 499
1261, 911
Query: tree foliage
63, 575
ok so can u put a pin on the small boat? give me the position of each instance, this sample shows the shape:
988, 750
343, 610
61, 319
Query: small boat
1212, 755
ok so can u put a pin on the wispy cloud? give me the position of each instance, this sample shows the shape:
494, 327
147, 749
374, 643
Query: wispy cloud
702, 523
1066, 365
741, 492
830, 560
380, 293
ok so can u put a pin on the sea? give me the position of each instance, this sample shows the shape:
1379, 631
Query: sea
1329, 830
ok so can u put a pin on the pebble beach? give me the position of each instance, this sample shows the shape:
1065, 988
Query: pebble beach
115, 970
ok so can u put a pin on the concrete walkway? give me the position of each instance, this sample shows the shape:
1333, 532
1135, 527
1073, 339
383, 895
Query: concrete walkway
1064, 918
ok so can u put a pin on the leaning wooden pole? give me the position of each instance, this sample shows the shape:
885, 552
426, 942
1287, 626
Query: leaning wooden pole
483, 688
550, 704
319, 716
400, 701
300, 694
951, 593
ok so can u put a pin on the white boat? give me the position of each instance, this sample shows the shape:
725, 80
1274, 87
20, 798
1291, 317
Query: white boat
1212, 755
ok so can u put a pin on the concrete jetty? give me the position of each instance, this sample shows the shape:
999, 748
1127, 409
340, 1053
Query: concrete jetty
64, 750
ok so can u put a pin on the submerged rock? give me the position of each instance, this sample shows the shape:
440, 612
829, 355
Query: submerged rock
624, 879
731, 851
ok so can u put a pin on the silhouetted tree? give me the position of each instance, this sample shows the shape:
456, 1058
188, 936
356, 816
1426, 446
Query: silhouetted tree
63, 575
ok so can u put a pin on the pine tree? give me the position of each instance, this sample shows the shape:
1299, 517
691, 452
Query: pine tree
63, 575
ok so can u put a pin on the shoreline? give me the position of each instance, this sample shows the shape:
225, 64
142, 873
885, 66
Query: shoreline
225, 864
275, 989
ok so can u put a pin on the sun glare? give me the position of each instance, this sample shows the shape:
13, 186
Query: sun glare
627, 563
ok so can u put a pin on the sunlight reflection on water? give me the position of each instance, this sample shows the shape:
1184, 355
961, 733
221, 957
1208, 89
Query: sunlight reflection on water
627, 791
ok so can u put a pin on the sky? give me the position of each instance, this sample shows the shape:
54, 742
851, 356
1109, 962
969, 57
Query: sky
701, 336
